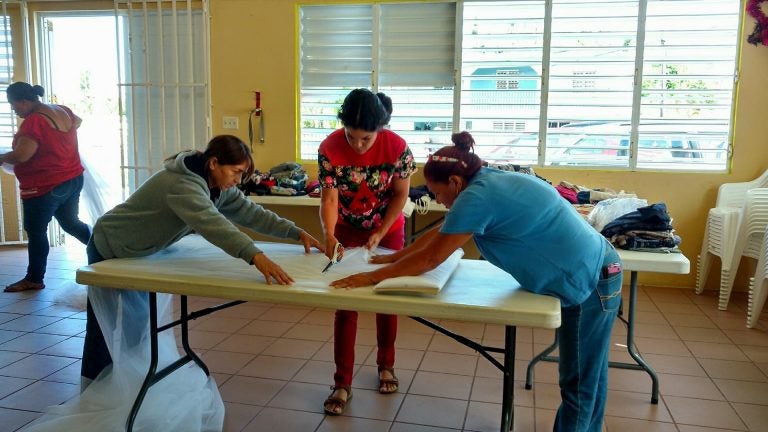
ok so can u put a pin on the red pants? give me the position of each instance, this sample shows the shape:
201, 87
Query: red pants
345, 322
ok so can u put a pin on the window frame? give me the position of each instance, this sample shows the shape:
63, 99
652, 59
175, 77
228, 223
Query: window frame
634, 135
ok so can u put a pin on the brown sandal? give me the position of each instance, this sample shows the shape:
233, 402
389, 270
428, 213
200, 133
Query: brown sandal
24, 285
384, 383
334, 401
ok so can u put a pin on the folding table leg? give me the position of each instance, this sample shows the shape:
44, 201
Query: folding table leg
185, 336
641, 364
149, 380
508, 390
507, 368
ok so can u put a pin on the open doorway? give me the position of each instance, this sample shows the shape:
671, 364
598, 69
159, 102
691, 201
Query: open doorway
78, 67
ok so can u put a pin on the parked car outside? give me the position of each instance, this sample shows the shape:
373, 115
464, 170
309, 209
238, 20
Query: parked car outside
606, 144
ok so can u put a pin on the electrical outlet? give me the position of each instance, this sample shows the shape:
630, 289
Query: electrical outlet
230, 123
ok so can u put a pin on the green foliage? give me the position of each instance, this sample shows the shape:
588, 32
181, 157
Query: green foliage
86, 102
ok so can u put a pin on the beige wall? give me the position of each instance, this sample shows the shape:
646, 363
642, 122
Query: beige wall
253, 44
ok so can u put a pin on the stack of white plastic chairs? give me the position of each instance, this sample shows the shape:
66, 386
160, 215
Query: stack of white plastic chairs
758, 285
735, 227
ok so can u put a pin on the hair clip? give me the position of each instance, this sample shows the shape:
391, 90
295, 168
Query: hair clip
437, 158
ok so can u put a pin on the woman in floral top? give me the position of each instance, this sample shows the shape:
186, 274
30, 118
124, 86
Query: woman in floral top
365, 173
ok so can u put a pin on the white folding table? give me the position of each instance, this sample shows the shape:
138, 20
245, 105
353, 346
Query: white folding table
307, 201
477, 291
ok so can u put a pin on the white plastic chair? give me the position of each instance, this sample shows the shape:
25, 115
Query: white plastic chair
721, 233
754, 219
758, 285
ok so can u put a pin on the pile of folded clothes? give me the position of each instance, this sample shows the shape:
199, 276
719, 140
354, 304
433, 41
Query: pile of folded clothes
288, 178
645, 229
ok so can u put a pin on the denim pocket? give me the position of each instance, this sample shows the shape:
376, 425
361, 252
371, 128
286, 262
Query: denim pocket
609, 291
62, 190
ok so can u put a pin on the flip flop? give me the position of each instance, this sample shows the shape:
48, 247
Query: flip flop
384, 383
334, 401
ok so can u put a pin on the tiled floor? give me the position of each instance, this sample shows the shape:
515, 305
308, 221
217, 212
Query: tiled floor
273, 365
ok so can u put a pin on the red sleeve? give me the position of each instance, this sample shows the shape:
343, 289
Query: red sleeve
32, 127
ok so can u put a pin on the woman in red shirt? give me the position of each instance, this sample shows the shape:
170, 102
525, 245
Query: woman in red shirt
365, 172
47, 164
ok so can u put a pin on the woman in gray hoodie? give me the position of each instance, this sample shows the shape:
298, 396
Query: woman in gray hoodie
195, 192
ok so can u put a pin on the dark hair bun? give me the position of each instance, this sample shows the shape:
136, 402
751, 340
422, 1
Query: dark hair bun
38, 90
386, 101
463, 140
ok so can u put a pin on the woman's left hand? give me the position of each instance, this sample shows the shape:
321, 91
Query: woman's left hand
271, 270
354, 281
309, 242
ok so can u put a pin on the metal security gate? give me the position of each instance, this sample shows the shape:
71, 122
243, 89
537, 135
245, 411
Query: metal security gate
164, 86
164, 93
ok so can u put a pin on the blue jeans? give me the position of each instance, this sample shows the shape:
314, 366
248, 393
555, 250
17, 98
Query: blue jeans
61, 203
585, 340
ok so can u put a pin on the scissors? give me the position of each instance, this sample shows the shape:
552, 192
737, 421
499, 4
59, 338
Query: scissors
338, 250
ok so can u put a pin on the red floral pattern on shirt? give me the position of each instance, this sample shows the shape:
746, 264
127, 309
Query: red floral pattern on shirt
365, 191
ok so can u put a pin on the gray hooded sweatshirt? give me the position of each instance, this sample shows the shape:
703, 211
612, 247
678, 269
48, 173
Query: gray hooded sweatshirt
176, 201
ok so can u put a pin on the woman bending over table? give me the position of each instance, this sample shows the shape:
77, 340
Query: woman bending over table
195, 192
523, 226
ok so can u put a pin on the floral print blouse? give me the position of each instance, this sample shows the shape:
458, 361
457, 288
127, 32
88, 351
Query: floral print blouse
364, 181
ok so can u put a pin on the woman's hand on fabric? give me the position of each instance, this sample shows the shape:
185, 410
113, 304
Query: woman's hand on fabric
373, 240
355, 280
271, 270
383, 259
330, 244
309, 242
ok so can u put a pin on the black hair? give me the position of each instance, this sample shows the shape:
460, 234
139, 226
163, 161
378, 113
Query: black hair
23, 91
458, 159
362, 109
228, 150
